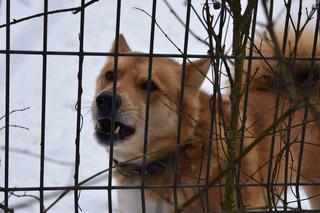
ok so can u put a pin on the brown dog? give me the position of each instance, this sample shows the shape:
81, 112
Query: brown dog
130, 114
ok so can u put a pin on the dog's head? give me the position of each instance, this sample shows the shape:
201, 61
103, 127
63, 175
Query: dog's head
130, 103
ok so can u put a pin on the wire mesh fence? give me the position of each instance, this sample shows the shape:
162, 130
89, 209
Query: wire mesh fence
243, 147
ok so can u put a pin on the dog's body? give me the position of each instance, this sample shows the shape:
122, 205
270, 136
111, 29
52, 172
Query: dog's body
129, 135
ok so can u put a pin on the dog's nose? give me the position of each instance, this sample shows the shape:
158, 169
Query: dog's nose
104, 101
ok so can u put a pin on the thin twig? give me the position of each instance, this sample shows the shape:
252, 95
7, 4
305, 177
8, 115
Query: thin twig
6, 209
84, 6
170, 40
183, 24
16, 126
74, 11
16, 110
32, 154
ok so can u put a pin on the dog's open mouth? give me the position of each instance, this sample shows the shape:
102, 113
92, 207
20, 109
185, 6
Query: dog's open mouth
121, 131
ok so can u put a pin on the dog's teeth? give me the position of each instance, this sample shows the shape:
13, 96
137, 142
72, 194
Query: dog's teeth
98, 125
116, 131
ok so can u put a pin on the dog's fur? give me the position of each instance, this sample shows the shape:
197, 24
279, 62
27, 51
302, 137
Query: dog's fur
131, 88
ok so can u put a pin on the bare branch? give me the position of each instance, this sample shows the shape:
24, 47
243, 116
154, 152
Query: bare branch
6, 209
33, 154
84, 6
16, 110
166, 35
247, 150
16, 126
74, 11
183, 24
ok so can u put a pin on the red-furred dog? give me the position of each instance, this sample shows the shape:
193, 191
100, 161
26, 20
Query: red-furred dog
129, 131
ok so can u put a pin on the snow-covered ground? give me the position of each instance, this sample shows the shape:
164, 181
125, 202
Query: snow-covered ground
25, 90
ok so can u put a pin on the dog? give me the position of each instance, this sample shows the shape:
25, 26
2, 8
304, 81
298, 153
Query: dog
184, 160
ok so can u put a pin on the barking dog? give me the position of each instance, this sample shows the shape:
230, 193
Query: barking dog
159, 170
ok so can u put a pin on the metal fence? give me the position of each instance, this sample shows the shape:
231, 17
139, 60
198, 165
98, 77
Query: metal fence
220, 19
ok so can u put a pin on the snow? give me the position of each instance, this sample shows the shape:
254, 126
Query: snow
26, 89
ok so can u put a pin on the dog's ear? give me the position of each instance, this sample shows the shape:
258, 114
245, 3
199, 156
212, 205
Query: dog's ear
196, 72
123, 45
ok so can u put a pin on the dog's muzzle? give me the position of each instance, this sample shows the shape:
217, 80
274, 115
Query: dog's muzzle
121, 131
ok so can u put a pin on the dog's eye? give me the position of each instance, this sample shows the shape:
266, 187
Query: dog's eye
109, 76
153, 86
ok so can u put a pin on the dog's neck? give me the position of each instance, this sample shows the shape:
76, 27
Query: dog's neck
152, 168
131, 169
